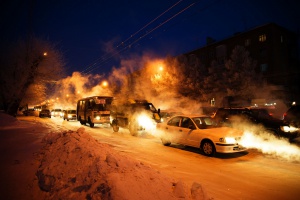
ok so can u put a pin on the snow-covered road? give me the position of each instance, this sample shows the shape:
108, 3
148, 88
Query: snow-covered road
250, 175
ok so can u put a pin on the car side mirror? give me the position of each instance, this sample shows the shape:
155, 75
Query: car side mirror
192, 127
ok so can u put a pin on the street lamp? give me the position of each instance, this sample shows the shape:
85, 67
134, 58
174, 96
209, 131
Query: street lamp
104, 84
160, 68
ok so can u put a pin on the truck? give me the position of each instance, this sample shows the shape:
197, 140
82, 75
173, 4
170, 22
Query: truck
135, 115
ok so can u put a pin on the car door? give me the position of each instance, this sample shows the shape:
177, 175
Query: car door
174, 131
187, 127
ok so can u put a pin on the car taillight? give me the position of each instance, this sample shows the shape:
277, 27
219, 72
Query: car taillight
284, 115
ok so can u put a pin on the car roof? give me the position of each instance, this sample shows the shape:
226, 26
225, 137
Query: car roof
191, 115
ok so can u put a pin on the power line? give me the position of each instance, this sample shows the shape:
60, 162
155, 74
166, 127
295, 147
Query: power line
115, 52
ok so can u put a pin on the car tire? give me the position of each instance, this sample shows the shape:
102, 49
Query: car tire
165, 142
90, 122
81, 122
133, 129
208, 148
115, 126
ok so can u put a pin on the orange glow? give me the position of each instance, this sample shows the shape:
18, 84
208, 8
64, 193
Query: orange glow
104, 83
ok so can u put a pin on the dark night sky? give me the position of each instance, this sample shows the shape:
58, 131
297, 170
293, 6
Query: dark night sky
103, 32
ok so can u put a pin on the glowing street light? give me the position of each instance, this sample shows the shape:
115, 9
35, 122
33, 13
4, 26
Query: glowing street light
161, 68
104, 84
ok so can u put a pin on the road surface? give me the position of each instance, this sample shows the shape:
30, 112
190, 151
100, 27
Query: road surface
249, 175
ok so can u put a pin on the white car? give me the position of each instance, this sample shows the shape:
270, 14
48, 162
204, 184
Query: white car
199, 132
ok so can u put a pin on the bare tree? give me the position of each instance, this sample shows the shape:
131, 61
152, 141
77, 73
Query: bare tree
194, 73
241, 78
236, 78
27, 63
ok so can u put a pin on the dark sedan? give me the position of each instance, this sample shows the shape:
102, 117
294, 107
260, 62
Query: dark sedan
45, 113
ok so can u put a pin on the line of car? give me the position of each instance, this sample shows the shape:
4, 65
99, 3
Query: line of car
211, 134
65, 114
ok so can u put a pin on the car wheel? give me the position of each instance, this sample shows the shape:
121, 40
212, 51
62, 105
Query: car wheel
133, 129
115, 126
81, 122
90, 122
208, 148
165, 142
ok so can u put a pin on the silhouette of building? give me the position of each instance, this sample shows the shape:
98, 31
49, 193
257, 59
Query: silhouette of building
274, 48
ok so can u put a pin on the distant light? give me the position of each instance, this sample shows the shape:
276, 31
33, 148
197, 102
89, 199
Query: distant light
104, 83
45, 54
294, 103
161, 68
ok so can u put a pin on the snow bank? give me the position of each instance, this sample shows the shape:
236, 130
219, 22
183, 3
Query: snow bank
7, 120
73, 165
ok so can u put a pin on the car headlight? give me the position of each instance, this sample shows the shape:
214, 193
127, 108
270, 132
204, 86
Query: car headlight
145, 121
289, 129
230, 140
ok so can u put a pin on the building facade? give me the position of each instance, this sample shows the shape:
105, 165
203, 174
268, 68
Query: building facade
274, 48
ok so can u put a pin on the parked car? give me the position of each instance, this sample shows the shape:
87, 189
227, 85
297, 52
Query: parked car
166, 114
45, 113
69, 115
226, 116
29, 112
198, 131
56, 112
292, 116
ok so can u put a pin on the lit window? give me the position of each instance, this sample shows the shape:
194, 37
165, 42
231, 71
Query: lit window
262, 38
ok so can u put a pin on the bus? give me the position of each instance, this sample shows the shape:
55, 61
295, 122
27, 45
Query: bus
94, 110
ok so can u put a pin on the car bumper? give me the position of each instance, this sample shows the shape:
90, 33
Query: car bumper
229, 148
102, 120
72, 118
44, 115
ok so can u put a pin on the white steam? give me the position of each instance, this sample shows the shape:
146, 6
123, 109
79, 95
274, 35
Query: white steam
271, 145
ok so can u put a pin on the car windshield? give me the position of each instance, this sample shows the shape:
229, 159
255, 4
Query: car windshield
72, 111
203, 121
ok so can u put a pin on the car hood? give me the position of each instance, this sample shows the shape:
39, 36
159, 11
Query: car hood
223, 131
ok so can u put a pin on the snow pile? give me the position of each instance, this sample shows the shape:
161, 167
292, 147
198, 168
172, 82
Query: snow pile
76, 166
7, 120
